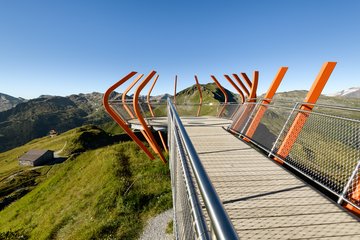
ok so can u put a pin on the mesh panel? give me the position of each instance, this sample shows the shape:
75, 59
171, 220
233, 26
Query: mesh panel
242, 117
184, 222
327, 149
274, 116
229, 110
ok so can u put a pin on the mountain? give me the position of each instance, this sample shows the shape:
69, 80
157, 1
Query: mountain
353, 92
210, 94
299, 96
7, 102
160, 98
36, 117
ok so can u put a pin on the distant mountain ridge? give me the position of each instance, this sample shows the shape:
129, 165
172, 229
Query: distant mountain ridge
353, 92
36, 117
8, 102
29, 119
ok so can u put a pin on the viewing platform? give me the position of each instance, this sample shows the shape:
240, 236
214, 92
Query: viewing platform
260, 168
264, 200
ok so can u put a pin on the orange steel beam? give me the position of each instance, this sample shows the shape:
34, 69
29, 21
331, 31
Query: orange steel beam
175, 83
236, 87
148, 96
223, 91
247, 80
155, 146
252, 97
267, 99
128, 109
116, 117
301, 117
237, 78
152, 113
200, 93
123, 97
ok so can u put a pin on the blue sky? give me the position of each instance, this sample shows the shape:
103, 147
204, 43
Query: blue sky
64, 47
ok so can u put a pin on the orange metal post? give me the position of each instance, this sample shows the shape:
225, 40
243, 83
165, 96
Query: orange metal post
123, 97
128, 109
175, 83
155, 146
148, 96
236, 87
223, 91
200, 101
301, 117
247, 80
118, 120
252, 97
268, 96
152, 113
237, 78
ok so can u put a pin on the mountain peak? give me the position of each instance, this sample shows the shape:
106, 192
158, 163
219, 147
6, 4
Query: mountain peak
353, 92
8, 102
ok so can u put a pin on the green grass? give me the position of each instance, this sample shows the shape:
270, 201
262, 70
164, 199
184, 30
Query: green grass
107, 192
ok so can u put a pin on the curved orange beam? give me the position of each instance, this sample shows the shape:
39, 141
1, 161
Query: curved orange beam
152, 113
148, 96
175, 83
223, 91
247, 80
236, 87
153, 143
237, 78
252, 97
200, 93
116, 117
123, 97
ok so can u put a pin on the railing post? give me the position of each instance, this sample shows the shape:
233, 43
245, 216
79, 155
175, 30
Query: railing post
301, 117
355, 195
282, 130
249, 117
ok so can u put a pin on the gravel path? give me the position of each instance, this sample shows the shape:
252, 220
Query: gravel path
155, 228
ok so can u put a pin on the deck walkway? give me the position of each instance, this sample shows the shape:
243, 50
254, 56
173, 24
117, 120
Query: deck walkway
263, 200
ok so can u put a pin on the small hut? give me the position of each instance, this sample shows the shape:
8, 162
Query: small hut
36, 157
53, 133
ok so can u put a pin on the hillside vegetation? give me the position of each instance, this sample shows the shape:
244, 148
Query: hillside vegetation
105, 190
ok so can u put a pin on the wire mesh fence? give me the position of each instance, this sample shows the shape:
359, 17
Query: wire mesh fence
189, 220
327, 149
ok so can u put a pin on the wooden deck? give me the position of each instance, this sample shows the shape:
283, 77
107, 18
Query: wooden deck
263, 200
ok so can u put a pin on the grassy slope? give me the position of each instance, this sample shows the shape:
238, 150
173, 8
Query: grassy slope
100, 193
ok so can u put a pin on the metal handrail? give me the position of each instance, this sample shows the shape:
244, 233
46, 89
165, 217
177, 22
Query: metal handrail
220, 221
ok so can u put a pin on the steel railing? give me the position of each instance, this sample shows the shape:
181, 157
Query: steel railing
189, 178
327, 150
